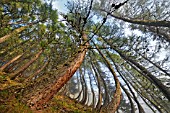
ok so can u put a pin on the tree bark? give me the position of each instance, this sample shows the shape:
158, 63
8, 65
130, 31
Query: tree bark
98, 106
92, 90
18, 30
156, 81
37, 102
84, 86
152, 63
106, 99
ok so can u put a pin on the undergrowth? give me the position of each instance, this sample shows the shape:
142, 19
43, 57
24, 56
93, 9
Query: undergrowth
59, 104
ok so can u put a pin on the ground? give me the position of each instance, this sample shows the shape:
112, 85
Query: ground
59, 104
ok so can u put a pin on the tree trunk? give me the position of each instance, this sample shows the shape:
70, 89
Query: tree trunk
156, 81
18, 30
14, 75
153, 63
140, 108
160, 32
99, 103
10, 62
92, 90
113, 106
145, 72
36, 73
84, 86
106, 95
37, 102
155, 23
129, 97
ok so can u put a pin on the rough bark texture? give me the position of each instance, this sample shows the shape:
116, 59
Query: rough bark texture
37, 102
140, 108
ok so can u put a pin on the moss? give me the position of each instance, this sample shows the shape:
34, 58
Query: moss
13, 106
59, 104
64, 104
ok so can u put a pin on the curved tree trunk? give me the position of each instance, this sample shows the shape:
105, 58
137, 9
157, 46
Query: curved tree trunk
129, 97
145, 72
18, 30
38, 101
113, 106
84, 86
156, 81
36, 73
141, 110
152, 63
98, 106
106, 95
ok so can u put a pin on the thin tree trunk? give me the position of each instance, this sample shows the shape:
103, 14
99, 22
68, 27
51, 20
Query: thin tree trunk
14, 75
155, 23
82, 77
160, 32
129, 97
10, 62
36, 73
18, 30
113, 106
106, 99
93, 94
156, 97
80, 88
98, 106
153, 63
141, 110
156, 81
148, 75
38, 101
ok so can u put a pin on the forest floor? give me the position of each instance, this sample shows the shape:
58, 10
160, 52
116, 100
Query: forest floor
59, 104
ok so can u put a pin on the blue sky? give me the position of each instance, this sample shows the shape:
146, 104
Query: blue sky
60, 5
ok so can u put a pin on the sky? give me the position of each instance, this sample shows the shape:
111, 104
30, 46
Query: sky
60, 5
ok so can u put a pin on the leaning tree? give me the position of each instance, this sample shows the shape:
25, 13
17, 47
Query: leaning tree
39, 53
